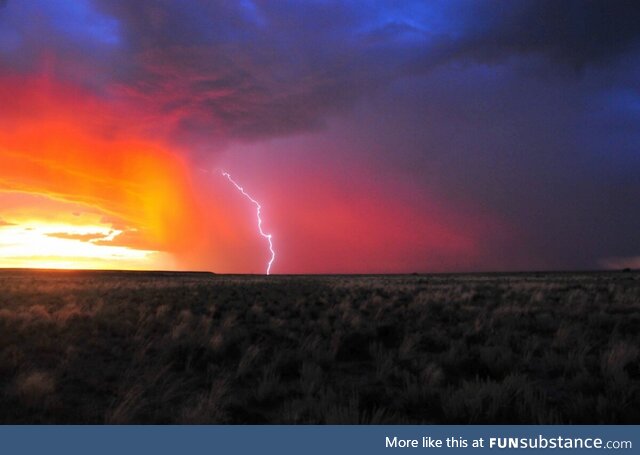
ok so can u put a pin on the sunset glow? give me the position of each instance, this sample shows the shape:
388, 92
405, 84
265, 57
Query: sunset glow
400, 138
69, 247
78, 196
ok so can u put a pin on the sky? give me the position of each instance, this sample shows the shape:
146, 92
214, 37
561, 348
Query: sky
376, 136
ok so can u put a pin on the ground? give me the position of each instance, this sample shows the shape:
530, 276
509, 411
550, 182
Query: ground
138, 347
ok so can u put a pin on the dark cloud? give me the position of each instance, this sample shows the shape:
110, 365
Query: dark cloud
248, 70
244, 70
5, 223
576, 33
225, 69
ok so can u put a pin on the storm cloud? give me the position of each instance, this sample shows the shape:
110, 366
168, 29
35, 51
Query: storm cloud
525, 111
251, 70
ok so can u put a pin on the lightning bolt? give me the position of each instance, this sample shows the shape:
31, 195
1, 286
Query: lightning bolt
258, 208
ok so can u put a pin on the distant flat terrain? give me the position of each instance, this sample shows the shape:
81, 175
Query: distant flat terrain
163, 347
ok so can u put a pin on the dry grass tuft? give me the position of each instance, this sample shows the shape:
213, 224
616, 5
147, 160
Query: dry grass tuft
33, 387
95, 347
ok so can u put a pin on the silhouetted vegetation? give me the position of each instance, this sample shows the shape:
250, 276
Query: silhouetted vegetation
110, 347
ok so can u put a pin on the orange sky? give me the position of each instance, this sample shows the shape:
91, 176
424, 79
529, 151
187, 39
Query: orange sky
98, 196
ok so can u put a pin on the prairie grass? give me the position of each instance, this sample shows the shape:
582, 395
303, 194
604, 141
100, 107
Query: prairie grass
119, 347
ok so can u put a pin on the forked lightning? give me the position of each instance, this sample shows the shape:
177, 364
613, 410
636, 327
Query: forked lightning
258, 208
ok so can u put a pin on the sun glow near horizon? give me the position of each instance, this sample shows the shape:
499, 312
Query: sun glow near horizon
40, 244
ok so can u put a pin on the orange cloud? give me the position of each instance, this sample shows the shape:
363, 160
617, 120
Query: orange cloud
65, 144
82, 237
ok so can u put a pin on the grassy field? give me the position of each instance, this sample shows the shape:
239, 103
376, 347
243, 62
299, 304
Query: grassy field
126, 347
